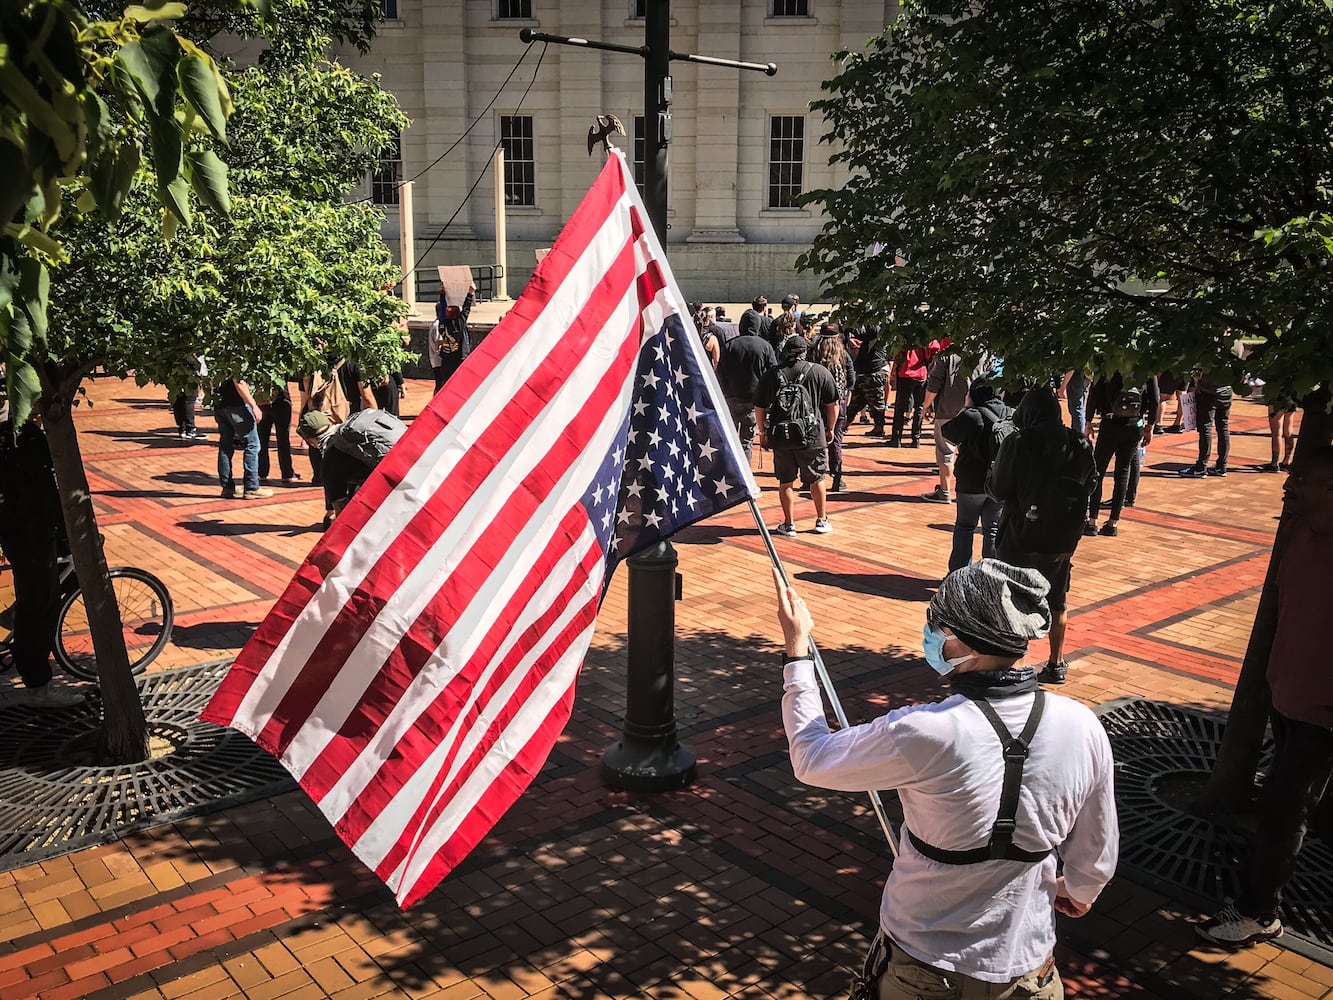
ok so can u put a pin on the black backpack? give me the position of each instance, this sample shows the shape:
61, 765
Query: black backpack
1129, 404
1052, 503
792, 421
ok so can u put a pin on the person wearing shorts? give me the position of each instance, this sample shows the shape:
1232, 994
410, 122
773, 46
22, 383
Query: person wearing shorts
1281, 413
808, 465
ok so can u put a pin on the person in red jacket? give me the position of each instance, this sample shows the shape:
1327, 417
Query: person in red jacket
907, 379
1301, 714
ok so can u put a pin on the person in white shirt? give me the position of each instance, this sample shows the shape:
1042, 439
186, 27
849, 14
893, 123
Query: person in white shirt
969, 907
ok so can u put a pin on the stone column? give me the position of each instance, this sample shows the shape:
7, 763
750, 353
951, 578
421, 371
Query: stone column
717, 138
446, 113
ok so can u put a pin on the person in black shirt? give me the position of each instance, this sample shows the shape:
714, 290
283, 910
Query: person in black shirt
238, 415
1212, 408
275, 420
32, 532
744, 361
755, 321
1128, 410
972, 431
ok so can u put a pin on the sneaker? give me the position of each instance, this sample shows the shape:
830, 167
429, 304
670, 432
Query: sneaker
914, 443
822, 527
229, 493
1053, 673
1232, 929
1174, 429
1159, 429
1109, 529
1089, 528
258, 494
49, 697
194, 435
876, 432
1218, 470
894, 442
1283, 466
937, 495
293, 478
1193, 472
1129, 502
786, 529
1270, 467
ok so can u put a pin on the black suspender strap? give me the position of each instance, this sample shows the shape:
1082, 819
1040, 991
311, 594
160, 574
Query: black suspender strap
1001, 843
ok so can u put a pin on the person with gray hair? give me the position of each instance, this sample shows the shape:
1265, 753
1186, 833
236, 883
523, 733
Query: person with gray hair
999, 783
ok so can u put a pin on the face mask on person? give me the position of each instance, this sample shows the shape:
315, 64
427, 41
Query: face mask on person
932, 642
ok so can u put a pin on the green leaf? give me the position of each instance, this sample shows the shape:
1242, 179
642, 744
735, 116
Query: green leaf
16, 185
208, 177
34, 238
166, 142
19, 91
203, 88
151, 63
144, 13
176, 198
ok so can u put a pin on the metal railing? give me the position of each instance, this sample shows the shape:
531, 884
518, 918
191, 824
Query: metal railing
427, 279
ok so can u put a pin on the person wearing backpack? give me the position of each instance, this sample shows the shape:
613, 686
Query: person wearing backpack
795, 410
1128, 410
349, 451
238, 418
976, 433
1043, 473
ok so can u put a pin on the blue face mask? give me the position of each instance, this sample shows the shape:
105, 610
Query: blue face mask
932, 642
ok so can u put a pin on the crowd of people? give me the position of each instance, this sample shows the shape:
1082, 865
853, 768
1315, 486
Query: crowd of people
1006, 788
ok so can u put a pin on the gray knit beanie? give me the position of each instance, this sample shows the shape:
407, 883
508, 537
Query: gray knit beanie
993, 607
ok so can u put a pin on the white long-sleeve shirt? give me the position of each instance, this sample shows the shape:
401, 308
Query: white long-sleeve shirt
994, 920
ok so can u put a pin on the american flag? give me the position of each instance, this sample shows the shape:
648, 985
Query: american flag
419, 667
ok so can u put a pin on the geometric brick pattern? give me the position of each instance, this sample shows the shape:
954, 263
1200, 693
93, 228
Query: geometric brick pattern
745, 884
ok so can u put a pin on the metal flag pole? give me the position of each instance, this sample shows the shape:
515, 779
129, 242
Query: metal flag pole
825, 681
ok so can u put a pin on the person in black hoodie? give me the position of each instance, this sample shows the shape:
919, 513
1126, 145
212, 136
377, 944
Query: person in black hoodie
872, 377
1043, 475
973, 431
1128, 412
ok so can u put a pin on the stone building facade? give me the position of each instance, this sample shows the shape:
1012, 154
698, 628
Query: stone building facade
743, 144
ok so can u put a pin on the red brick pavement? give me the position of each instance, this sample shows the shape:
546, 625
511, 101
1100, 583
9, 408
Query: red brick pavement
746, 884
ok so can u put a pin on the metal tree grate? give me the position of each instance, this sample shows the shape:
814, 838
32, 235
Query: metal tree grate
53, 799
1163, 754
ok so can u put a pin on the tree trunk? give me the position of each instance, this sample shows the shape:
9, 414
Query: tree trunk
124, 728
1231, 784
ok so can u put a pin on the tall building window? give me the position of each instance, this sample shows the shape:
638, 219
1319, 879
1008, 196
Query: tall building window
513, 9
520, 162
390, 9
639, 9
388, 175
640, 144
786, 159
791, 8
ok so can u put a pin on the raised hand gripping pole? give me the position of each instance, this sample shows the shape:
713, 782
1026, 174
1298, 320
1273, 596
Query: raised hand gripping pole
825, 681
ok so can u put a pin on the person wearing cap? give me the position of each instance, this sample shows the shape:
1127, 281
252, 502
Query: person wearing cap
807, 461
342, 470
999, 783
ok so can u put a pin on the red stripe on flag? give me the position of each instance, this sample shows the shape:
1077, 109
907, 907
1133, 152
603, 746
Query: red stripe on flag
335, 759
404, 553
573, 242
405, 661
428, 811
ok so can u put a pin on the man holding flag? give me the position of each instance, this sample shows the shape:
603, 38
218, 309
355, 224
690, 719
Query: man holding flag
995, 782
419, 667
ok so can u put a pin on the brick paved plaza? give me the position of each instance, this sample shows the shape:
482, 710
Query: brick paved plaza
744, 884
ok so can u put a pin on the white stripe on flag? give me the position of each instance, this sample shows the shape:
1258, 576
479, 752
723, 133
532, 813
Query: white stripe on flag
465, 635
472, 523
521, 728
390, 825
476, 414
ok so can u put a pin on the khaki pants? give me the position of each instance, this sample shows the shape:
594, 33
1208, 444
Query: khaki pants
908, 979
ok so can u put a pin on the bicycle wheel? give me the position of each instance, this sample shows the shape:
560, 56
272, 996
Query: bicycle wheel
145, 618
